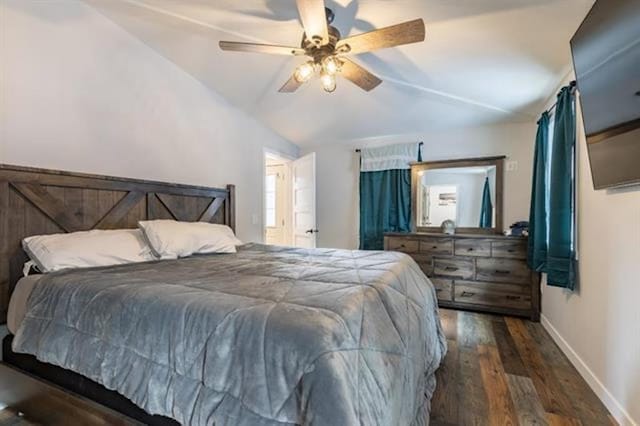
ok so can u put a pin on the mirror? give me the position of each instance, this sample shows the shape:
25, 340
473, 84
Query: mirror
467, 192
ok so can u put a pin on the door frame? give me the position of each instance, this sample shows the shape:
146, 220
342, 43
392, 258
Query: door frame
266, 152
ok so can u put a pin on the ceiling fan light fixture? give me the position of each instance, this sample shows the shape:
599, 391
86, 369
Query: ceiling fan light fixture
304, 72
331, 65
328, 82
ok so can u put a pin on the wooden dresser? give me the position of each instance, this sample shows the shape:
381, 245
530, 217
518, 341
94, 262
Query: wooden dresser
479, 272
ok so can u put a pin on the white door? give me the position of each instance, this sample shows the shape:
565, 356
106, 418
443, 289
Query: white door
304, 201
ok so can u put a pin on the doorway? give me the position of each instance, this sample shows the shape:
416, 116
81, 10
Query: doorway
290, 201
277, 202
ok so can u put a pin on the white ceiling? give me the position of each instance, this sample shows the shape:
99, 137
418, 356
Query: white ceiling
484, 61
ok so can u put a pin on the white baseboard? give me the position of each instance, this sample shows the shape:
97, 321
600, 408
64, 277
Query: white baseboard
615, 408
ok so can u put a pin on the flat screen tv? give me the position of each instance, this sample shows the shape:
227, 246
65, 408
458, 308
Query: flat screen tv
606, 58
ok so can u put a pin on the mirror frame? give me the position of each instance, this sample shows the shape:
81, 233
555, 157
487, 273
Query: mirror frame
498, 162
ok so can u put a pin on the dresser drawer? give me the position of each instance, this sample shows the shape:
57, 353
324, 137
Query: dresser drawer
425, 261
492, 294
443, 246
509, 249
503, 271
444, 288
456, 267
404, 245
473, 247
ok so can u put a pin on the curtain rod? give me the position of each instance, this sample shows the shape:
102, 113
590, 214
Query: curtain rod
552, 107
419, 145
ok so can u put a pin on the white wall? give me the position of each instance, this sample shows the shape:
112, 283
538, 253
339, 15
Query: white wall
337, 171
598, 326
79, 93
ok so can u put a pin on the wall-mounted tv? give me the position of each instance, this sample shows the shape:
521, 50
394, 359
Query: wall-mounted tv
606, 58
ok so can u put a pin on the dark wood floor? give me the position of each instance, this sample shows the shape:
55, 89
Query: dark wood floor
508, 371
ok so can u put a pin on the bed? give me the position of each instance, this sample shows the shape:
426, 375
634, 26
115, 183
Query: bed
265, 336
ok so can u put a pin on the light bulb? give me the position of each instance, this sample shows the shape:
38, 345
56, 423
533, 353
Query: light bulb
304, 72
331, 65
328, 82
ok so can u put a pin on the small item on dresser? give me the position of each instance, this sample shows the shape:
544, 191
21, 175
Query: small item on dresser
448, 227
519, 229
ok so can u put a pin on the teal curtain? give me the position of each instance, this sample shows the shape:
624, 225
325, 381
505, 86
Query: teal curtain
486, 212
561, 264
552, 214
537, 249
385, 206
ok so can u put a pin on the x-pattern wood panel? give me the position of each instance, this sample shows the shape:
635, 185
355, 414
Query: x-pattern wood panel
49, 205
58, 209
175, 208
114, 217
190, 210
211, 210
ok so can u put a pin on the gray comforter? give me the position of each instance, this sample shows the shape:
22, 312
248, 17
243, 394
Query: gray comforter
267, 336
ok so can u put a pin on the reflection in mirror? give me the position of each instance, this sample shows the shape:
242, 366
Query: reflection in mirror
464, 195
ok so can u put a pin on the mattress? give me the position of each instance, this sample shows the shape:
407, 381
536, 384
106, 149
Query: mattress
265, 336
18, 302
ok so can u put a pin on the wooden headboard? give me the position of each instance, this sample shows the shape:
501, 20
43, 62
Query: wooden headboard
37, 201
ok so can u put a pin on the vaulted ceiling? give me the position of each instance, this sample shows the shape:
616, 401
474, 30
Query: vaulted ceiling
483, 62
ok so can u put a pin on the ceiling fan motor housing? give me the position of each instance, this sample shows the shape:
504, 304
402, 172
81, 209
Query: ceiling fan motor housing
320, 52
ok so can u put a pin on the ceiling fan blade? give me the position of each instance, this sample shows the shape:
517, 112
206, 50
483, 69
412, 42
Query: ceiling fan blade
314, 20
358, 75
260, 48
395, 35
290, 86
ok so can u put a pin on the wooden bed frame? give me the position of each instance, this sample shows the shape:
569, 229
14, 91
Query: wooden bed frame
39, 201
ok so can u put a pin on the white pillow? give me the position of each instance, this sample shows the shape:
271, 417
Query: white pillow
87, 249
170, 238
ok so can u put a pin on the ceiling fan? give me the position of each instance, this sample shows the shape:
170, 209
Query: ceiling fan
323, 44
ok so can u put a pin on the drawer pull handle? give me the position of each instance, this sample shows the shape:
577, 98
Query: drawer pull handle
434, 247
510, 251
450, 268
470, 249
502, 272
508, 297
466, 294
